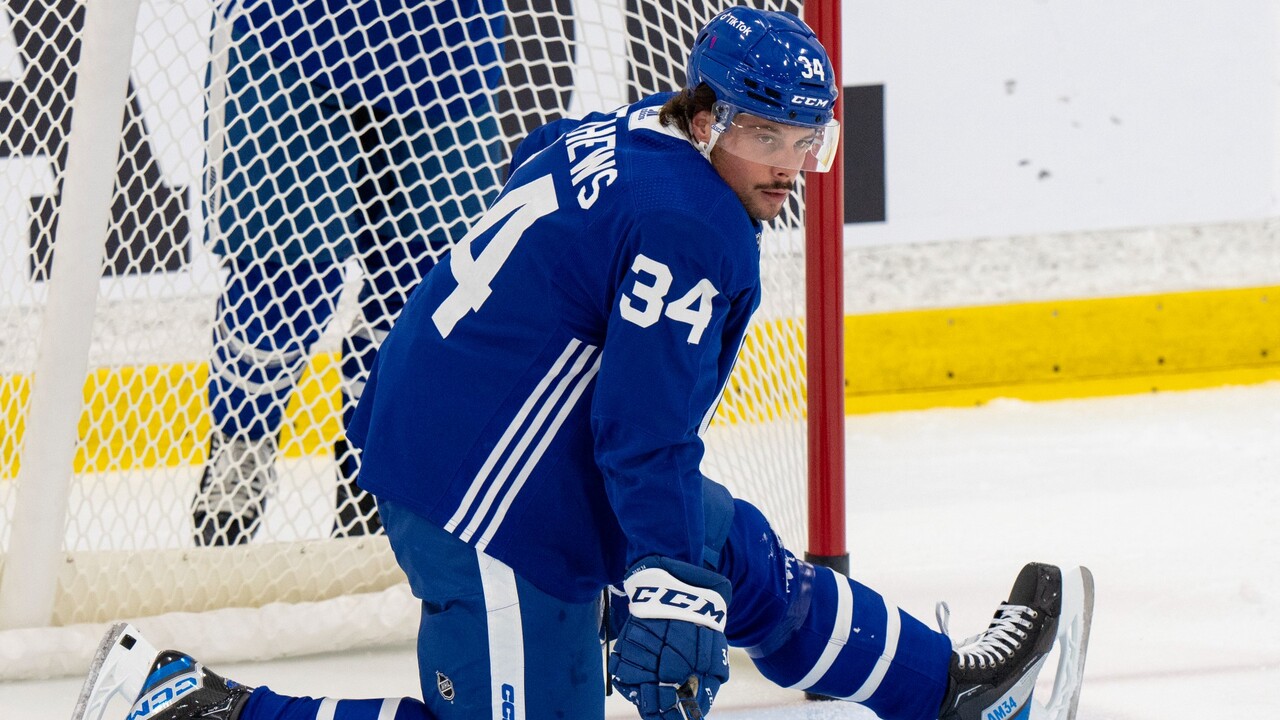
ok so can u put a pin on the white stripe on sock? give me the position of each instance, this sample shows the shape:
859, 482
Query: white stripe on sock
839, 632
389, 708
328, 707
893, 630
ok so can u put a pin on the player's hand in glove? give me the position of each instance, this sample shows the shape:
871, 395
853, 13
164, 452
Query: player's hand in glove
672, 647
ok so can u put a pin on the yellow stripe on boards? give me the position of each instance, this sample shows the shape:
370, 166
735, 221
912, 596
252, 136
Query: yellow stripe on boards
157, 415
1055, 350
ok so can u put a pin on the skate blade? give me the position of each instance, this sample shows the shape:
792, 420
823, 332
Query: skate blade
1073, 644
119, 669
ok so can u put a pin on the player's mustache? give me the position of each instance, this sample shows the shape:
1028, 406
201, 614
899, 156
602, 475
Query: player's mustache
788, 186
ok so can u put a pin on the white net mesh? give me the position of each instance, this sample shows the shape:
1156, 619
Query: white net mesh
322, 194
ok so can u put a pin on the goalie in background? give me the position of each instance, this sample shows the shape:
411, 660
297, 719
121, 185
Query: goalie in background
531, 429
325, 145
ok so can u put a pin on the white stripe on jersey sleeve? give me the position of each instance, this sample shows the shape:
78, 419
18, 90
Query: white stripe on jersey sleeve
477, 486
532, 462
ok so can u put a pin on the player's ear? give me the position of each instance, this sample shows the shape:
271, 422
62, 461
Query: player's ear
700, 126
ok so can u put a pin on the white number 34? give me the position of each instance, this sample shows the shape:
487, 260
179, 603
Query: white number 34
647, 303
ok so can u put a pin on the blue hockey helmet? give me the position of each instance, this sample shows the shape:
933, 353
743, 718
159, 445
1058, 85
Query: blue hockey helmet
769, 65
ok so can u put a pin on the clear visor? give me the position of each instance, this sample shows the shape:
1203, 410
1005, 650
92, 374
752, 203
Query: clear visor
768, 142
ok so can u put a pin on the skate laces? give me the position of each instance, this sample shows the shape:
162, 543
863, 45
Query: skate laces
997, 643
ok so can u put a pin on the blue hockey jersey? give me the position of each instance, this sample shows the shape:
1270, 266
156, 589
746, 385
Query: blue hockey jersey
402, 56
542, 395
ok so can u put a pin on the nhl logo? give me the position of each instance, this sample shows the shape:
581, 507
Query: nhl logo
445, 686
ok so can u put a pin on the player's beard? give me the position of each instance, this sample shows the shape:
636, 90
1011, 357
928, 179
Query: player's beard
788, 186
756, 205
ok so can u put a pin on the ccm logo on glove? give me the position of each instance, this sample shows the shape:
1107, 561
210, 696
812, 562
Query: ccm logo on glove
655, 593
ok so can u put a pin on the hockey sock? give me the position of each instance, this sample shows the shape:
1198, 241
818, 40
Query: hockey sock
852, 645
266, 705
269, 315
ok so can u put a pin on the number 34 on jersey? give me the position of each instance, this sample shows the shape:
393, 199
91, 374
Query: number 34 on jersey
645, 303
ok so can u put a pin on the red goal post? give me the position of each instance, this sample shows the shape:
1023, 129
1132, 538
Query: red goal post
824, 283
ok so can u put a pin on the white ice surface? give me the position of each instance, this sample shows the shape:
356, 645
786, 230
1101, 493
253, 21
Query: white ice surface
1172, 499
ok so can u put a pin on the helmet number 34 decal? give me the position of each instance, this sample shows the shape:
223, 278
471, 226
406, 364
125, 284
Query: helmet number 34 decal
812, 68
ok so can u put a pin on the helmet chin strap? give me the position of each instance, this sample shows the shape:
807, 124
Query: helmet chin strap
705, 146
723, 116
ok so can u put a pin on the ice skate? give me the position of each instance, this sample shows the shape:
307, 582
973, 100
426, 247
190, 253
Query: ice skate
238, 476
162, 686
993, 674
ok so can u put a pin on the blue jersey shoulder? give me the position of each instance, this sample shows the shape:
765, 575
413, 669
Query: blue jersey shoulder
647, 172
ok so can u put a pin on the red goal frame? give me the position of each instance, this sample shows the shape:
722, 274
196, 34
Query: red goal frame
824, 323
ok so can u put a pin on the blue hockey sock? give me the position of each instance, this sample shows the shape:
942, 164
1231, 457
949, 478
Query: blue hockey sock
266, 705
850, 644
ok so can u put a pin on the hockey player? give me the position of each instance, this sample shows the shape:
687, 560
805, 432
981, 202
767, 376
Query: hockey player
326, 144
531, 431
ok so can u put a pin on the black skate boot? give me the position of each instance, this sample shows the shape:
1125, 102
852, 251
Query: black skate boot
179, 688
993, 673
237, 478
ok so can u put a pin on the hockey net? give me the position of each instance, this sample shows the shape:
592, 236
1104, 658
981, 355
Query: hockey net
143, 432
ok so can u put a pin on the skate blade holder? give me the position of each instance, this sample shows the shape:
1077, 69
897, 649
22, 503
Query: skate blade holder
119, 669
1072, 644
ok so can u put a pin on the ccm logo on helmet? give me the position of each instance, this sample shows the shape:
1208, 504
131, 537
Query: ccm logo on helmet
809, 101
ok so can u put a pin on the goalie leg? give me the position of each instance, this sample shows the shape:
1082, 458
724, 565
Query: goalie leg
281, 205
269, 316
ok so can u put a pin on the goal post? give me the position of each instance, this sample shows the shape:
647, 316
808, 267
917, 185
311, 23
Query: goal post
824, 313
99, 465
28, 585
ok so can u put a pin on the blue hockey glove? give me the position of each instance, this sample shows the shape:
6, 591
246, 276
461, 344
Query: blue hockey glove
671, 655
